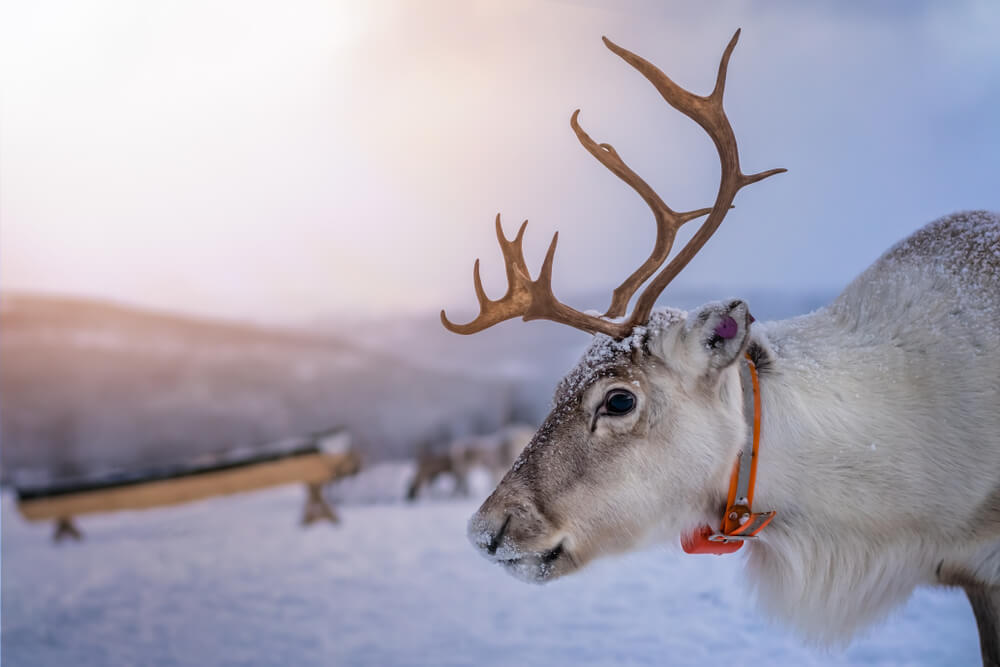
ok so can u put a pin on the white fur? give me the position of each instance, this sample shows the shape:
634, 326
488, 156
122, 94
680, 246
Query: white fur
881, 440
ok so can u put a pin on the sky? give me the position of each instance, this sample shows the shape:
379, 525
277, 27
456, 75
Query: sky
288, 161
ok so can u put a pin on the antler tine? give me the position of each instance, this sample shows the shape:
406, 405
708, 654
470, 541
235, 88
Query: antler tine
668, 221
710, 115
513, 254
526, 298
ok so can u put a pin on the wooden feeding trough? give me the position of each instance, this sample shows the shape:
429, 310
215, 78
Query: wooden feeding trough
313, 461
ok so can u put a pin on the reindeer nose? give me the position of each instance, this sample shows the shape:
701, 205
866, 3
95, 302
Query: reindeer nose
486, 532
503, 528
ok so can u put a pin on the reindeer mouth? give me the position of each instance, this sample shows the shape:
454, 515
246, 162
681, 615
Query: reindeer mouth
538, 567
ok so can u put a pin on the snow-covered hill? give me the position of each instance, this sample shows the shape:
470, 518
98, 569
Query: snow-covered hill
235, 581
88, 386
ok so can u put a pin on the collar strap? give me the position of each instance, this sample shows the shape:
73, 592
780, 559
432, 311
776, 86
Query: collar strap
739, 522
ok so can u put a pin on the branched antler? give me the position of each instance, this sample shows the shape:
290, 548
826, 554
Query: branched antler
533, 299
527, 298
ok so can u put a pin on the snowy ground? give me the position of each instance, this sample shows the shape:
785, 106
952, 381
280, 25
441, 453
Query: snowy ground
235, 581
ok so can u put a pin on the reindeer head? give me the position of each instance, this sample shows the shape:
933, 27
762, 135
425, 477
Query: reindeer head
650, 420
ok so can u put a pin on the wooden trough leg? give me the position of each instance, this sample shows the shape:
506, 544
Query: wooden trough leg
65, 528
316, 506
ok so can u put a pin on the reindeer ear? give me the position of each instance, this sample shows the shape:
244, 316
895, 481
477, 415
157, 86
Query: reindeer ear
718, 333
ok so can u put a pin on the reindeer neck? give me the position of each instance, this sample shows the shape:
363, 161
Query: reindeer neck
819, 413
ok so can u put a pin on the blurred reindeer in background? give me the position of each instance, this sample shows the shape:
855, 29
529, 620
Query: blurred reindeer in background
494, 452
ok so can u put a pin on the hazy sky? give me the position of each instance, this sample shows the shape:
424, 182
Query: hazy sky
287, 160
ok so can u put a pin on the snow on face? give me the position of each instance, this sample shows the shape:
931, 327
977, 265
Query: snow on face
605, 352
604, 357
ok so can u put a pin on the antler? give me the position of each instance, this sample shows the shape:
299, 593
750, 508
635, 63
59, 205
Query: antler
533, 299
667, 220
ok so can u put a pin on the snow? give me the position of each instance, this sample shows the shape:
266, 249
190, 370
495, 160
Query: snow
605, 351
236, 581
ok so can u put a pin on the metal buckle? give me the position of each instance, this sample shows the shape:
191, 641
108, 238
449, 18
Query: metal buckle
726, 539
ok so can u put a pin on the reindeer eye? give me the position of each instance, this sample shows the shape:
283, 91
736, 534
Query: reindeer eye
619, 402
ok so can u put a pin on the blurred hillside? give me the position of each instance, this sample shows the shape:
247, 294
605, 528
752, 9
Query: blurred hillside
88, 386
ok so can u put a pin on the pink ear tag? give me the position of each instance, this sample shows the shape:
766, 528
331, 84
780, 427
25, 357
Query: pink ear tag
726, 328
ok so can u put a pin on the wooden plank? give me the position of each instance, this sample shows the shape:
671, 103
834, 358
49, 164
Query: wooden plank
308, 468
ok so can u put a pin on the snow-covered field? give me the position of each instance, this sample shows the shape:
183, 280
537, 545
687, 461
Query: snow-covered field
235, 581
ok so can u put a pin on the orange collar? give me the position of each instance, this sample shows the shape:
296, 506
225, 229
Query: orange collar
739, 521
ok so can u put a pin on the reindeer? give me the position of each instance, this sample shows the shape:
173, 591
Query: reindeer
854, 450
433, 464
494, 452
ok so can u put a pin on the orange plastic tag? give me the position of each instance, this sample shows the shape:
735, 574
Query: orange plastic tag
697, 542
